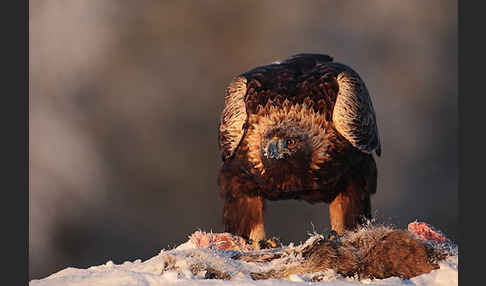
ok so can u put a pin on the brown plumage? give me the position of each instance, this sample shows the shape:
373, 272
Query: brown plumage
304, 129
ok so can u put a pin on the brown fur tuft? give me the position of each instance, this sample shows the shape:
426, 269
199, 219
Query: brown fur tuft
370, 252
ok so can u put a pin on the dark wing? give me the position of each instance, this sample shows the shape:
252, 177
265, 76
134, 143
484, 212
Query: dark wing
281, 80
353, 113
233, 118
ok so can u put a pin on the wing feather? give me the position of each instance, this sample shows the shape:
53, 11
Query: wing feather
233, 117
353, 113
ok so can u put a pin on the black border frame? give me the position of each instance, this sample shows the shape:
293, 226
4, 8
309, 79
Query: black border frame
15, 159
471, 104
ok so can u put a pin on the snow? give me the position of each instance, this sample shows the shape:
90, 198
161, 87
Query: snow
148, 274
176, 267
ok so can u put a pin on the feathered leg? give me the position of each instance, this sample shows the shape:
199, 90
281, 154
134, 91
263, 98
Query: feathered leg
244, 216
349, 209
243, 208
352, 206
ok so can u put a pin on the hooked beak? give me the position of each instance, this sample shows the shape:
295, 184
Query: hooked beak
275, 149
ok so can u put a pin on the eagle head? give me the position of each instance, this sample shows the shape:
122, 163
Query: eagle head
287, 145
286, 148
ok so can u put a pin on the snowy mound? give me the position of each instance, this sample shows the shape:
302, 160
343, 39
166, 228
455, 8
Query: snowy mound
372, 255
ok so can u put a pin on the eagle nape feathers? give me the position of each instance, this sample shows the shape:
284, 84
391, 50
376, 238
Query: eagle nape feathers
305, 129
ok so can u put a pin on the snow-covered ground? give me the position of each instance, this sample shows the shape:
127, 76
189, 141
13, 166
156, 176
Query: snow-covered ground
147, 273
176, 267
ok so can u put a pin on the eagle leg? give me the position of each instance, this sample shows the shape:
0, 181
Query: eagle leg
243, 216
350, 208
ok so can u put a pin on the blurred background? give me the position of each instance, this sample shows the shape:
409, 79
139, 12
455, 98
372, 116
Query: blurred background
125, 99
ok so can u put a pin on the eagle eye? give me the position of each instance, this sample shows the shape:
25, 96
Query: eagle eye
290, 142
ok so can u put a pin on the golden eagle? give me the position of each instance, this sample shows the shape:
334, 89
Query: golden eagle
303, 128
